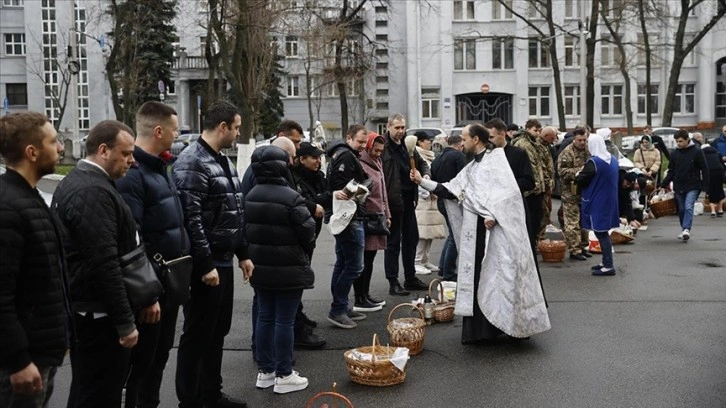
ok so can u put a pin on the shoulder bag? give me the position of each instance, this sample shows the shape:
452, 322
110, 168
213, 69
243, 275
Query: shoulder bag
176, 275
143, 288
375, 224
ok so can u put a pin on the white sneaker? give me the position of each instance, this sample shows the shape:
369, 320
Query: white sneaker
686, 234
680, 236
291, 383
431, 267
422, 270
265, 380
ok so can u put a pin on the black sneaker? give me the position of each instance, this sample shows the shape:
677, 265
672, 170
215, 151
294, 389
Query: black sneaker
375, 301
308, 340
364, 305
225, 401
306, 320
415, 284
397, 290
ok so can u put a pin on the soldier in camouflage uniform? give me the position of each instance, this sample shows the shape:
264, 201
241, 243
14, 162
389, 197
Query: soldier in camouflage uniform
527, 140
545, 142
569, 163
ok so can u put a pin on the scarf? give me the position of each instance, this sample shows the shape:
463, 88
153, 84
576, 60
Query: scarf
596, 145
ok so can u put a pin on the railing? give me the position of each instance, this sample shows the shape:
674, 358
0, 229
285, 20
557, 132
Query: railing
187, 62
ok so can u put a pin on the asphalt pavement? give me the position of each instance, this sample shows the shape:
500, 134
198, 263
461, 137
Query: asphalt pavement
651, 336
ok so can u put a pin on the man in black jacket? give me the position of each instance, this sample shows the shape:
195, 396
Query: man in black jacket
211, 196
688, 171
34, 304
345, 166
443, 169
402, 201
150, 193
100, 229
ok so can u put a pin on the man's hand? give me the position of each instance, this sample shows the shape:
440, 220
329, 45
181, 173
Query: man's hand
211, 278
489, 224
319, 212
388, 223
247, 268
130, 340
151, 314
340, 195
27, 381
416, 176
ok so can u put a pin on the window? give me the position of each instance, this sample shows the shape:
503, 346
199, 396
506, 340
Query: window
572, 100
430, 103
382, 65
612, 100
500, 12
313, 86
381, 37
463, 10
15, 44
382, 105
381, 9
381, 79
13, 3
653, 99
382, 52
464, 54
685, 99
381, 23
381, 128
332, 89
539, 101
571, 57
293, 86
539, 54
353, 87
572, 9
609, 54
653, 42
171, 88
533, 10
690, 59
17, 94
381, 92
290, 46
503, 53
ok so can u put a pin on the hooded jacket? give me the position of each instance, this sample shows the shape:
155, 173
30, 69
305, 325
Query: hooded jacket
687, 169
279, 229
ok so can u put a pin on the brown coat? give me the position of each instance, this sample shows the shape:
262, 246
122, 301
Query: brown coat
377, 201
647, 160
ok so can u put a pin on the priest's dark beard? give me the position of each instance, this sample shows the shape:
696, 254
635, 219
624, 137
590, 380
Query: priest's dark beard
470, 155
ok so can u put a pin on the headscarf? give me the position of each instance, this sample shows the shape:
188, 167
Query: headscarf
650, 142
372, 136
604, 133
596, 145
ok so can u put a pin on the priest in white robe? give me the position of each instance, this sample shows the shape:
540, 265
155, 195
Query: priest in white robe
498, 289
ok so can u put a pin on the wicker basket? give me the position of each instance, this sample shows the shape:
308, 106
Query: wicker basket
552, 251
407, 331
443, 310
663, 208
618, 238
328, 398
380, 372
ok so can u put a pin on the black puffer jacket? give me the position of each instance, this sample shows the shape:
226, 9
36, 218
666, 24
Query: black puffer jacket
713, 159
396, 170
687, 170
279, 230
149, 191
34, 304
210, 194
99, 229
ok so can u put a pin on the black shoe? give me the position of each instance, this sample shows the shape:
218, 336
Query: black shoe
604, 272
306, 320
375, 301
597, 267
579, 257
397, 290
308, 340
415, 284
363, 305
586, 253
225, 401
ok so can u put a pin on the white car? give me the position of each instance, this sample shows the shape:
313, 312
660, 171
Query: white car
437, 133
631, 143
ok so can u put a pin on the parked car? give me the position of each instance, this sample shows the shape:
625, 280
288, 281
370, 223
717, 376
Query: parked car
631, 143
182, 141
437, 133
456, 131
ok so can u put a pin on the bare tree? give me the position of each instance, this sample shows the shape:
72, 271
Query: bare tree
53, 60
682, 47
647, 50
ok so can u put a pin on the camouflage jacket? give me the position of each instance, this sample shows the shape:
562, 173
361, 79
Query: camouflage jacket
529, 143
548, 165
570, 161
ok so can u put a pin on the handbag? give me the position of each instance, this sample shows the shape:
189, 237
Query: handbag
143, 287
176, 275
376, 224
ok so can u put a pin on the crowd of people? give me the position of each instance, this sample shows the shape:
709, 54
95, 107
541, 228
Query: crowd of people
488, 194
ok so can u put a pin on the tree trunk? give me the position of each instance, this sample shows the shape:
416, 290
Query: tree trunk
591, 42
646, 45
556, 68
672, 85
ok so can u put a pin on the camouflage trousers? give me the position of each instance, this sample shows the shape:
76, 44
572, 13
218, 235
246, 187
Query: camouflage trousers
575, 237
546, 210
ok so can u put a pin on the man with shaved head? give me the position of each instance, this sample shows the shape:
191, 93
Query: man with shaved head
545, 143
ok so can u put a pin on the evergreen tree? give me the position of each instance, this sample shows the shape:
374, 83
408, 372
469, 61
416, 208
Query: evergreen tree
272, 107
141, 52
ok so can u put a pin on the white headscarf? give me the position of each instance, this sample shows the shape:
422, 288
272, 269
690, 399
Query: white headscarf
596, 145
604, 133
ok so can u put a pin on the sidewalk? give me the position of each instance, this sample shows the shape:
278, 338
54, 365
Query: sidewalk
652, 336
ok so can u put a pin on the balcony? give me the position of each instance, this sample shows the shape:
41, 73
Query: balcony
190, 62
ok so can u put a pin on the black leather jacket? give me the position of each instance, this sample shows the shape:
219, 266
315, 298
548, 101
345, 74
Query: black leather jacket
210, 194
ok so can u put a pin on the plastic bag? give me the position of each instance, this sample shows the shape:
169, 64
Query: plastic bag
698, 208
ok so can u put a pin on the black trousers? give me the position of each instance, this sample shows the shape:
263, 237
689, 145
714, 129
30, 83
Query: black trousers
98, 364
149, 357
402, 241
207, 320
362, 285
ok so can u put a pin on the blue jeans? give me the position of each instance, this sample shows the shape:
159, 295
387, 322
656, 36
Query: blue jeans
685, 207
449, 253
274, 334
349, 246
606, 245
